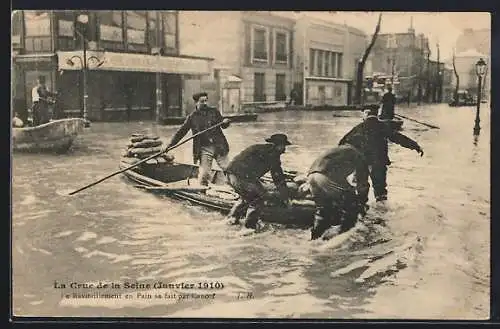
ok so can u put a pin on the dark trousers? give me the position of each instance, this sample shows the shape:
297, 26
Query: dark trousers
251, 200
40, 113
378, 175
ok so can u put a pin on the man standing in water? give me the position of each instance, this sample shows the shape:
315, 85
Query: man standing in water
371, 138
244, 172
337, 201
209, 145
388, 104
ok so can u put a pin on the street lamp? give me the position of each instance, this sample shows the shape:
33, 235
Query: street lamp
480, 71
82, 22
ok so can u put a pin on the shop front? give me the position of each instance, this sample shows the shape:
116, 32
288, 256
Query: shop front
124, 86
327, 91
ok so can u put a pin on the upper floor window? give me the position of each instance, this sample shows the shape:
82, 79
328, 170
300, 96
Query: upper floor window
110, 25
152, 25
16, 29
170, 29
260, 44
391, 41
136, 27
65, 29
281, 42
37, 24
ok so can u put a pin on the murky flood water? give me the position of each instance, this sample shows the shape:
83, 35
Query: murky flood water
425, 254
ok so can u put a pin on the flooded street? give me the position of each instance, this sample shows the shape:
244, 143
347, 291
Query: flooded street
425, 255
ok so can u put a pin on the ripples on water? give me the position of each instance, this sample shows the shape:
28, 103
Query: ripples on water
424, 255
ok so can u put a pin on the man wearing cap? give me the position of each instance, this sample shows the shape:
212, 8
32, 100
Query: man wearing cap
337, 201
244, 172
40, 97
371, 138
209, 145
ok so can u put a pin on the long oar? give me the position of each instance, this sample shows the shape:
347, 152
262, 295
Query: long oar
144, 160
422, 123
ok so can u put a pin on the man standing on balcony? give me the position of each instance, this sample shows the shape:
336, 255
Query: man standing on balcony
209, 145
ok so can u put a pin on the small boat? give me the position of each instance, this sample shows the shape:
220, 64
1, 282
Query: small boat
178, 181
244, 117
55, 136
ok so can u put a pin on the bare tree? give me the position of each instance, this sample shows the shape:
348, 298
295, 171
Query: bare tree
361, 64
457, 85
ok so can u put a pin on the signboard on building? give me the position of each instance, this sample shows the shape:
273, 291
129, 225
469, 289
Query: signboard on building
138, 63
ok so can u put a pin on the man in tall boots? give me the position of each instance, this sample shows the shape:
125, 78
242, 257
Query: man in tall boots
244, 173
337, 201
371, 138
209, 145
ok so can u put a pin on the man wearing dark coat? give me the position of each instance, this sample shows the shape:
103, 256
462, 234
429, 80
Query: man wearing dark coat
371, 138
244, 172
40, 97
209, 145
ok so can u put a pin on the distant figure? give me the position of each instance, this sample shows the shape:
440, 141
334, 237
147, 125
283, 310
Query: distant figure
40, 97
294, 97
388, 103
17, 122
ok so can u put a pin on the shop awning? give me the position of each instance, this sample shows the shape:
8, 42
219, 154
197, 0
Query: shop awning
136, 62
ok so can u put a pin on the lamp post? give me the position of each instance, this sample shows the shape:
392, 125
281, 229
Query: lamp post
480, 71
81, 29
427, 69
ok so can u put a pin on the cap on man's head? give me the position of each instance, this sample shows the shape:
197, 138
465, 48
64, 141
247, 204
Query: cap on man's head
197, 96
278, 139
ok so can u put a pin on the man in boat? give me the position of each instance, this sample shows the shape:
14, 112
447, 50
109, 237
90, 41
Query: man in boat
388, 102
371, 138
41, 98
245, 170
209, 145
337, 201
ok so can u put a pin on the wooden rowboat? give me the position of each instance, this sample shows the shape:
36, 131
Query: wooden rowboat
54, 136
178, 181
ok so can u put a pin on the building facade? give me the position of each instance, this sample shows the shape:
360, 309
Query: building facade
405, 56
252, 54
465, 63
325, 60
125, 85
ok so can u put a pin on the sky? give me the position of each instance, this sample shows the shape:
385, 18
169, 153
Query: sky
442, 27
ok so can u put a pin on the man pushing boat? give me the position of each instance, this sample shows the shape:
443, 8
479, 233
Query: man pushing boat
244, 172
337, 201
209, 145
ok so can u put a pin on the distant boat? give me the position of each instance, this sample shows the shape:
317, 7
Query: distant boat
55, 136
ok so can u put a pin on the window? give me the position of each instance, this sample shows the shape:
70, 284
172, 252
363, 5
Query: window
260, 44
319, 69
153, 24
110, 25
16, 29
280, 87
37, 31
259, 87
65, 29
339, 65
338, 91
311, 61
136, 27
170, 29
281, 47
328, 55
333, 72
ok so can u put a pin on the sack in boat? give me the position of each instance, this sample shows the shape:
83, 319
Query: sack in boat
138, 152
136, 139
145, 143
